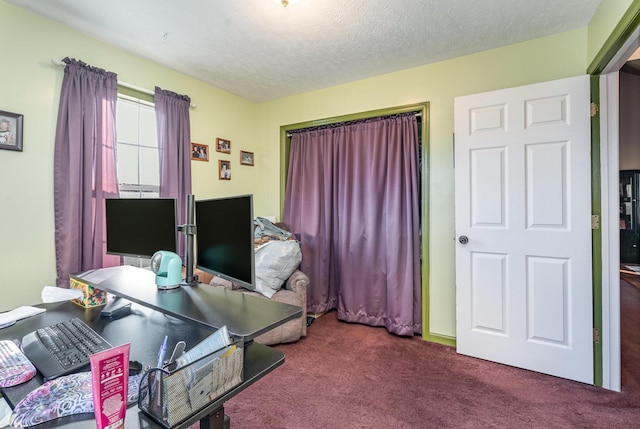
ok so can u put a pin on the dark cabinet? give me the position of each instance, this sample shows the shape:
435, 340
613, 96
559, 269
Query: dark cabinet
629, 216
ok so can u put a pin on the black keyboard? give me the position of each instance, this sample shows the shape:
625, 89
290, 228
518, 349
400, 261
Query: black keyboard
62, 348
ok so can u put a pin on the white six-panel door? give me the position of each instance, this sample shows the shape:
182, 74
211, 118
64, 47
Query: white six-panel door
523, 202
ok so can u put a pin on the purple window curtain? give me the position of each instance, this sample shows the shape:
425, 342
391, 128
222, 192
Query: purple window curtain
174, 143
84, 168
353, 198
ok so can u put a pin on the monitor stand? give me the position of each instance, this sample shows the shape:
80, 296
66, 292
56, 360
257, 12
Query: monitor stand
116, 307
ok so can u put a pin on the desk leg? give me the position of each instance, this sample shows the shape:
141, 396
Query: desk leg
215, 420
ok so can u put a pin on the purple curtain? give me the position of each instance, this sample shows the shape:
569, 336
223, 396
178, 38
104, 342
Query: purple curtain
174, 144
84, 168
353, 198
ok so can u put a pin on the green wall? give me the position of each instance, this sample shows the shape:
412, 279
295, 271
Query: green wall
607, 16
543, 59
31, 86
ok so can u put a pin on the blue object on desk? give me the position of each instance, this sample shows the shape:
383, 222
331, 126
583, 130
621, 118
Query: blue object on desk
168, 268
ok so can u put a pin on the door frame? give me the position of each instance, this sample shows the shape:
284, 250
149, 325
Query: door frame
622, 42
422, 109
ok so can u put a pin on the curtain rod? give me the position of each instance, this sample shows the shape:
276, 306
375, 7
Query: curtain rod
121, 83
290, 133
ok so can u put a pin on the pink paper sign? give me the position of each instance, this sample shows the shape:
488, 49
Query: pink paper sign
110, 377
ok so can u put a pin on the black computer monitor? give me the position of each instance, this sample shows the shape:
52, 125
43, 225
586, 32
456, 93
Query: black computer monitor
224, 238
140, 227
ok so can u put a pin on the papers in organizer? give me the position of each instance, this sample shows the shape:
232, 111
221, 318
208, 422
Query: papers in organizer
212, 343
215, 345
10, 317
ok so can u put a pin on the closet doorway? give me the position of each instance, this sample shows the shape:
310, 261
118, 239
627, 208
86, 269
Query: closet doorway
422, 118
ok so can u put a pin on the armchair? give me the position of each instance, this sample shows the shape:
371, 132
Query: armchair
293, 292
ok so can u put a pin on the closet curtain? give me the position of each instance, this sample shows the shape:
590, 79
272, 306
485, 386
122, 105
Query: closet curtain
174, 148
352, 198
84, 168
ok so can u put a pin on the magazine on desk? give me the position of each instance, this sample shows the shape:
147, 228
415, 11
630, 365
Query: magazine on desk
176, 392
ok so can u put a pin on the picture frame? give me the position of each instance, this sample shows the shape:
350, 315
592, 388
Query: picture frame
10, 131
199, 152
224, 170
246, 158
223, 145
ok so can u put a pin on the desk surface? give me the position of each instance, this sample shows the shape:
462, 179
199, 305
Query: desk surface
207, 306
145, 330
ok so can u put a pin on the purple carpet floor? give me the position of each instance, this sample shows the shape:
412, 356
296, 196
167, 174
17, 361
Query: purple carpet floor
346, 375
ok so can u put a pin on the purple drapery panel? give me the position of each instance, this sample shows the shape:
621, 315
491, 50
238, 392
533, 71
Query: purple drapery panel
174, 144
353, 198
84, 172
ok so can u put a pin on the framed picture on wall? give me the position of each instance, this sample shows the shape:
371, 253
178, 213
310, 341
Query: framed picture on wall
224, 170
246, 158
223, 145
10, 131
199, 152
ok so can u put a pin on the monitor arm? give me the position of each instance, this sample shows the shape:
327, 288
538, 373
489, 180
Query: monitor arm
189, 229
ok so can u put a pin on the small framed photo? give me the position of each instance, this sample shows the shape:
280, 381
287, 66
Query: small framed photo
199, 152
224, 170
246, 158
10, 131
223, 145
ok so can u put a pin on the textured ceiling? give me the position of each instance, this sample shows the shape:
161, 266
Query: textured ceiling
261, 50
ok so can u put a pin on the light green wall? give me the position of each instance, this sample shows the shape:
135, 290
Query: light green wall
539, 60
31, 86
603, 22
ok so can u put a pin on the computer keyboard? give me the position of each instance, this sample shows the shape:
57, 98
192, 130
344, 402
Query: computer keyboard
62, 348
15, 368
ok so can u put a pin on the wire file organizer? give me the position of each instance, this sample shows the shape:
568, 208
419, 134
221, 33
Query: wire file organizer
171, 396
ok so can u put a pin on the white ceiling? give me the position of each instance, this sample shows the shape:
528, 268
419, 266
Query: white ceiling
261, 50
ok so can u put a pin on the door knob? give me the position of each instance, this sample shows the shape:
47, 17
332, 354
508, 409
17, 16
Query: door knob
463, 239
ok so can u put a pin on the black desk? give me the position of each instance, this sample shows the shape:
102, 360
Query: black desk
188, 313
145, 330
207, 306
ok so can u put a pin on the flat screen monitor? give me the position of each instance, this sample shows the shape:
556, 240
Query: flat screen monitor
140, 226
224, 238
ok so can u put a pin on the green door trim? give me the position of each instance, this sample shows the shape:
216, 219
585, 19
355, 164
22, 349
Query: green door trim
596, 234
423, 110
616, 40
619, 36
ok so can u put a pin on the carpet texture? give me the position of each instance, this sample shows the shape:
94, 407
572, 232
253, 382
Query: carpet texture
346, 375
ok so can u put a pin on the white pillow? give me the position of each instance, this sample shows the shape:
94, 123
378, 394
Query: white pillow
275, 262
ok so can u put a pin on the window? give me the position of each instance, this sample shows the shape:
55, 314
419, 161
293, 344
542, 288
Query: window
137, 159
137, 155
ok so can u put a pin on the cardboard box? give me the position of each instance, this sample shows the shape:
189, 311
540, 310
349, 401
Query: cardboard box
92, 297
